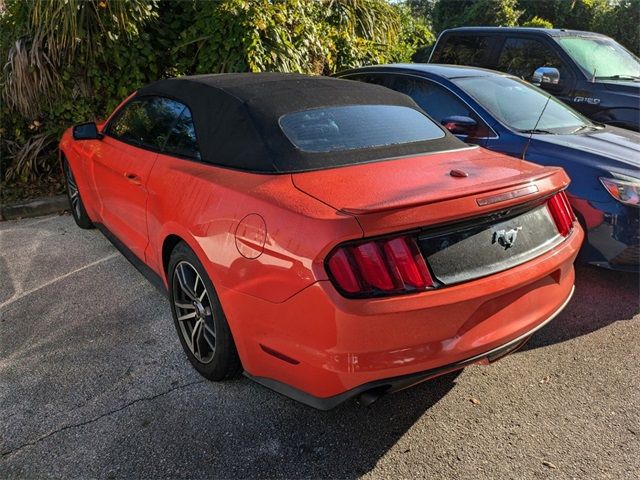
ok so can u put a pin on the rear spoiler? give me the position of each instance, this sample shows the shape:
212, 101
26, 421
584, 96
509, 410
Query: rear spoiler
519, 187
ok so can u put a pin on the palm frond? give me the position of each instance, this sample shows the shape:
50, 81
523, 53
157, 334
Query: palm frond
30, 159
375, 20
56, 32
30, 77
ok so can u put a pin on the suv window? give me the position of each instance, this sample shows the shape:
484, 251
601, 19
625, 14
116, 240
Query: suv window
438, 102
182, 139
145, 121
521, 57
472, 50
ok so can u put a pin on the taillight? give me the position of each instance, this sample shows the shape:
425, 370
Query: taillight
379, 267
562, 213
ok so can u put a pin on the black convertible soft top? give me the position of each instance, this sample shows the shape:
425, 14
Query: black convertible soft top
236, 117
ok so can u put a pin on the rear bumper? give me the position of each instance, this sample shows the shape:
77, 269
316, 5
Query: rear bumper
394, 384
325, 346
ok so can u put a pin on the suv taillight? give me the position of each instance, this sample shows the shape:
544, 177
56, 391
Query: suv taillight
562, 213
386, 266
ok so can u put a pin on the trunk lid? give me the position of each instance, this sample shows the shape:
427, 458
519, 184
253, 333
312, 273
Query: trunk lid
421, 191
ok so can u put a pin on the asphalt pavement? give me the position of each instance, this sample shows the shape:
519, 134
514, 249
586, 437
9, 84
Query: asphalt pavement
93, 383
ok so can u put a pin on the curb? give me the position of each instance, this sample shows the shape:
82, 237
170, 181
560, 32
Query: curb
34, 208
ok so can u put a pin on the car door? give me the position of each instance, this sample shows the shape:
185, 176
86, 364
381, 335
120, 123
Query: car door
440, 103
172, 187
129, 149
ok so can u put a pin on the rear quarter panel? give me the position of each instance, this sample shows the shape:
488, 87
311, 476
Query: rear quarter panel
256, 234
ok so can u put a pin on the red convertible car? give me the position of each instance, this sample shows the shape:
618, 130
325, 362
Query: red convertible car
326, 237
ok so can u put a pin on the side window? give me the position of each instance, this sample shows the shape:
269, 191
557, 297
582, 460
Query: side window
521, 57
438, 102
472, 50
182, 138
145, 121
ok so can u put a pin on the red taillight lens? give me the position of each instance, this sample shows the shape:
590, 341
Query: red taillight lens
562, 213
373, 268
340, 267
403, 254
380, 267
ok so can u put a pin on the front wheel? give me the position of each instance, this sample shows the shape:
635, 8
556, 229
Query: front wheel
198, 317
75, 202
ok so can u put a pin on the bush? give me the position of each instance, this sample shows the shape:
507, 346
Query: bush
65, 65
538, 23
53, 79
450, 14
621, 23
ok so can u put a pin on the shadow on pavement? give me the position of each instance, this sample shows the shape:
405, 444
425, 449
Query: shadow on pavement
280, 438
601, 297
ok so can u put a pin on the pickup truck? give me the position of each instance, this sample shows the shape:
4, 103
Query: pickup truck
588, 71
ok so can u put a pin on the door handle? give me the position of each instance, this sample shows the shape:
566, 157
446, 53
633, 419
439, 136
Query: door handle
133, 178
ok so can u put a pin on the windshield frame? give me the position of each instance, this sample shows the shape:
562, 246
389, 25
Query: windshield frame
460, 83
590, 75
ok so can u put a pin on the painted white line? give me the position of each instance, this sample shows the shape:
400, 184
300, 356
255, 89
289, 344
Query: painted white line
26, 223
19, 295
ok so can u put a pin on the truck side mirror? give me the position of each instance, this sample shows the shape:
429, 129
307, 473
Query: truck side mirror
544, 76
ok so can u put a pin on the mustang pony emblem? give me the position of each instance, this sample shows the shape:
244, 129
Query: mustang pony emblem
506, 238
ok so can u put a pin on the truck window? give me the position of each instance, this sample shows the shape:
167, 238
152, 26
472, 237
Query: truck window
601, 57
521, 57
472, 50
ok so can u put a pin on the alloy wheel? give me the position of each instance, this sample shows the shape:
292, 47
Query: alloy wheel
74, 195
193, 311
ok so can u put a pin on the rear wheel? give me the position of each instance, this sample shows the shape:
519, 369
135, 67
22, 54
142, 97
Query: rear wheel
75, 201
200, 322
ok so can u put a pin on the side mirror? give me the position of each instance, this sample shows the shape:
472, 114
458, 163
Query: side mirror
545, 76
460, 125
86, 131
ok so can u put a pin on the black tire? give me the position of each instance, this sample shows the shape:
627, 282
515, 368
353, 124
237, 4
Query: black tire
209, 346
75, 201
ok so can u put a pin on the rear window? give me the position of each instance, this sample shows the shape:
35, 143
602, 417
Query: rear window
355, 127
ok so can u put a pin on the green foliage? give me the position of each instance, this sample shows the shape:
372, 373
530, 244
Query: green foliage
362, 32
75, 60
622, 23
260, 35
298, 35
573, 14
502, 13
69, 61
537, 22
415, 35
421, 9
449, 14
